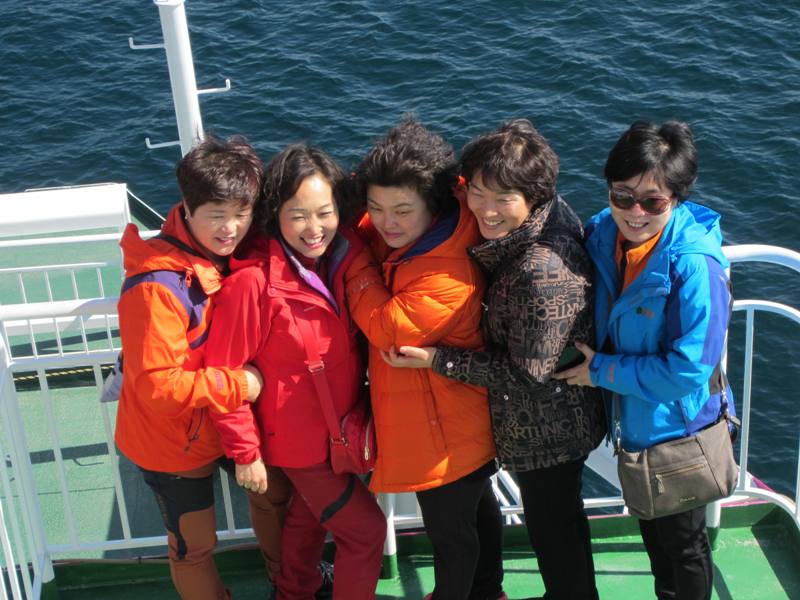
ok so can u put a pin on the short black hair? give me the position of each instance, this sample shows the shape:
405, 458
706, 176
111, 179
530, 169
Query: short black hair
286, 172
514, 156
220, 172
667, 151
410, 155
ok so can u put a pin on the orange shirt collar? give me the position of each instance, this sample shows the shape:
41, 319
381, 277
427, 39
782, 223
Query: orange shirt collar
636, 257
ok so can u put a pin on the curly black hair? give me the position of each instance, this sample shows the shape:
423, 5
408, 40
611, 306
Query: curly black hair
410, 155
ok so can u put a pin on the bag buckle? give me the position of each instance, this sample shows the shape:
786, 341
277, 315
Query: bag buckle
316, 366
617, 439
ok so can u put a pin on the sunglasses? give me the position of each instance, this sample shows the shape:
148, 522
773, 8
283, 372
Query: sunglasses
653, 205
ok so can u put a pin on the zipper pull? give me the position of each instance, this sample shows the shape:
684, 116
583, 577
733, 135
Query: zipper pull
660, 483
366, 452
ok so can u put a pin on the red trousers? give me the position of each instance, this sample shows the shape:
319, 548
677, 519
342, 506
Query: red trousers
340, 504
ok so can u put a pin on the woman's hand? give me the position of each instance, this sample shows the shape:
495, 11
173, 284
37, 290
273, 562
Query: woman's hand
252, 477
579, 375
410, 357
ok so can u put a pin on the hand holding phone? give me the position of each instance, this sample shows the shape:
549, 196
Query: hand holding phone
570, 357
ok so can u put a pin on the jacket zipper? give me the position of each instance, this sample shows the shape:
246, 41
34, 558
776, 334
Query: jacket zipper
660, 476
196, 435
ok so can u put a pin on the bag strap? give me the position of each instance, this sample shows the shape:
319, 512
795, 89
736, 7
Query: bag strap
178, 244
723, 400
316, 367
724, 413
617, 427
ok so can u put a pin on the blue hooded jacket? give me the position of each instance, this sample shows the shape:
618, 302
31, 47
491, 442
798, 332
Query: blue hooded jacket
661, 339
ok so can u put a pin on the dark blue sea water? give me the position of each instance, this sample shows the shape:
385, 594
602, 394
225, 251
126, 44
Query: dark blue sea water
76, 104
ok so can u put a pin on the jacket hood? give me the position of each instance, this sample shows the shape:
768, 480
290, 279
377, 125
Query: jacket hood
143, 256
692, 229
550, 223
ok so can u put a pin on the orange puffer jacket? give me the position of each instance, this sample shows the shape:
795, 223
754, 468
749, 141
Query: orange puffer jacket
165, 309
431, 430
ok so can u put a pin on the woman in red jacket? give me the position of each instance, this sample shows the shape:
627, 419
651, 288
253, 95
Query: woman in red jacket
296, 272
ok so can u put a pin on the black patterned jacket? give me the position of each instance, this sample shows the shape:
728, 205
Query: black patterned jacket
538, 301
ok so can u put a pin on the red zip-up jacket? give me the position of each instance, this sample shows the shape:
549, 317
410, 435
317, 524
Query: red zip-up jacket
254, 323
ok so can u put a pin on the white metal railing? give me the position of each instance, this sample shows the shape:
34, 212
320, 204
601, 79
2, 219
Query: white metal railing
27, 544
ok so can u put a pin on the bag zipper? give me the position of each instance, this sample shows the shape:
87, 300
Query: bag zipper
366, 440
660, 476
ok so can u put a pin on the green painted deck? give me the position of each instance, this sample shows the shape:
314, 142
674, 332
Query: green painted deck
756, 558
757, 554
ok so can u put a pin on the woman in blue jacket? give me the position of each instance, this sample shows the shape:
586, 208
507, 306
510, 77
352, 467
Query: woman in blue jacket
662, 310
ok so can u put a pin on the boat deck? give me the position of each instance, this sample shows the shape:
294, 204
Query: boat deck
756, 557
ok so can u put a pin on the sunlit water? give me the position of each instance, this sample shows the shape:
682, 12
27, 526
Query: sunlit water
76, 104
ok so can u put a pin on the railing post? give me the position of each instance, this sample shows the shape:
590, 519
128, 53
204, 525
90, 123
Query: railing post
23, 470
389, 570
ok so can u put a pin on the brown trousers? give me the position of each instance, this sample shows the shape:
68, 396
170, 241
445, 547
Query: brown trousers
186, 501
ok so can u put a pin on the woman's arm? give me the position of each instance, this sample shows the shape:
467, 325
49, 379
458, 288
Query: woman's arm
237, 332
542, 314
153, 326
420, 313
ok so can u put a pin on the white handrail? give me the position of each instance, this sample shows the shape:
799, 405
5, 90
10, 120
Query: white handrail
763, 253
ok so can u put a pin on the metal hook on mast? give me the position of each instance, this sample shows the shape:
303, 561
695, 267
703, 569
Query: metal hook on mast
153, 146
175, 30
134, 46
217, 90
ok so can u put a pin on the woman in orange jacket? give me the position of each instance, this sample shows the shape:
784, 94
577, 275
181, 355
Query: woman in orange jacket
434, 434
165, 309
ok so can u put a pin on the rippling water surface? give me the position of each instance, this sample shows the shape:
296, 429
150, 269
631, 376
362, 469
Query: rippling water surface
76, 104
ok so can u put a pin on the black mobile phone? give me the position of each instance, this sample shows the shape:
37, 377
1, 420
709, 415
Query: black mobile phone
570, 357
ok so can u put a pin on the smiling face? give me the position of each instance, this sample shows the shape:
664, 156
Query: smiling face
219, 228
498, 211
636, 225
398, 213
309, 219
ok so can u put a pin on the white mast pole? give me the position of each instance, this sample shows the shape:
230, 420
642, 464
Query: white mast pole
181, 72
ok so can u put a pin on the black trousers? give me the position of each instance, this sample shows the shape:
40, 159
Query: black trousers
680, 555
463, 522
559, 530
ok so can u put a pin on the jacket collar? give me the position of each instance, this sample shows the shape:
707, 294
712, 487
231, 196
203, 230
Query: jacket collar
491, 254
160, 255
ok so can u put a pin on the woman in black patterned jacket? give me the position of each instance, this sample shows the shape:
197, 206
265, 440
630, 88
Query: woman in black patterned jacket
538, 303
